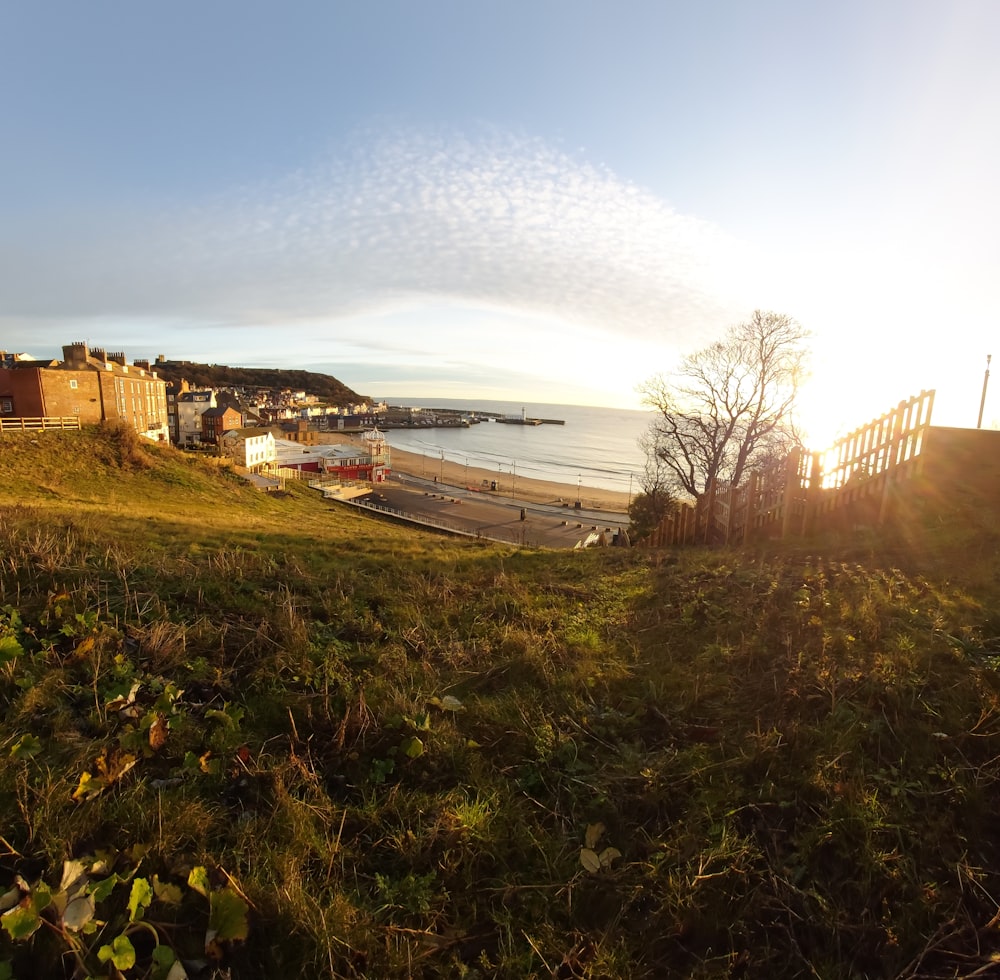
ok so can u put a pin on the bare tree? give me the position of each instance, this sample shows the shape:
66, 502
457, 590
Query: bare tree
729, 406
656, 497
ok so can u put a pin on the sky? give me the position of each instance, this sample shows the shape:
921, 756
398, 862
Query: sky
530, 200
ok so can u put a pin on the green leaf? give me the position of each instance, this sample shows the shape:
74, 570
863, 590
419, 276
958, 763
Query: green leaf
166, 892
230, 715
139, 900
89, 787
41, 896
121, 952
9, 649
412, 747
6, 970
228, 916
26, 747
198, 880
164, 959
20, 923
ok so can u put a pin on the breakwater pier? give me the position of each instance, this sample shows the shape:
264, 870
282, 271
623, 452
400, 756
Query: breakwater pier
412, 418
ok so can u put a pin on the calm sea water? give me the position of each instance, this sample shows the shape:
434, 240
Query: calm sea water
597, 447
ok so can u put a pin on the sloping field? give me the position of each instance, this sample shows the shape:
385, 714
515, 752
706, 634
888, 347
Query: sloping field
266, 735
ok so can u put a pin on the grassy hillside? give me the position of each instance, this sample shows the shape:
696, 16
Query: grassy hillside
267, 735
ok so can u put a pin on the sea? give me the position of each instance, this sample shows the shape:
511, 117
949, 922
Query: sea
597, 447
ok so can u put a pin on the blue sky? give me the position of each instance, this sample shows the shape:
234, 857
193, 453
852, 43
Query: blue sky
542, 201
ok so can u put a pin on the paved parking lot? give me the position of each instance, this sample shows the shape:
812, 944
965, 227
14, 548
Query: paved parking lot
499, 518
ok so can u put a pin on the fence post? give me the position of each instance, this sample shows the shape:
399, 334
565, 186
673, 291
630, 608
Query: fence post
791, 487
710, 494
750, 521
814, 496
729, 511
890, 464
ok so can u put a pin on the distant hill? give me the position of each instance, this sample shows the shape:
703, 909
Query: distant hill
324, 386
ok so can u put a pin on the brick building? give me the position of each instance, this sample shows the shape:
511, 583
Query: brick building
92, 386
216, 421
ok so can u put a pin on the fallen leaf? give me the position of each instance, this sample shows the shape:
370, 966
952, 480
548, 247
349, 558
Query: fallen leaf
78, 913
593, 834
158, 731
73, 871
590, 860
166, 892
10, 898
608, 855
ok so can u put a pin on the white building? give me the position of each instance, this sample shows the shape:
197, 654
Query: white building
253, 448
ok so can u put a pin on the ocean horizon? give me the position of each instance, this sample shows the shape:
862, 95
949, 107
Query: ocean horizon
597, 447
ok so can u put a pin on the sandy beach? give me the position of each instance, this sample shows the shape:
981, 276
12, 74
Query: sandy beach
537, 491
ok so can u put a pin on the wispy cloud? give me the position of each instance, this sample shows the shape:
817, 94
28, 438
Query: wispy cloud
497, 221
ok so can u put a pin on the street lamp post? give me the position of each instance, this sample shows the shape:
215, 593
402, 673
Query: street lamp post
441, 471
982, 401
513, 477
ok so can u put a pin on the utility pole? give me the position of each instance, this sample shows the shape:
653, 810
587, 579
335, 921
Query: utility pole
986, 381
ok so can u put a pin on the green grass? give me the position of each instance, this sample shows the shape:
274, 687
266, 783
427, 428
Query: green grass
388, 749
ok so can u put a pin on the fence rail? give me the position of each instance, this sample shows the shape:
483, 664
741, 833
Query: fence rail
38, 424
791, 495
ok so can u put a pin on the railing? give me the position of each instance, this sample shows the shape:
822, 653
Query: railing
801, 490
38, 424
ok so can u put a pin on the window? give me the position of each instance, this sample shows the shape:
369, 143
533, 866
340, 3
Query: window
6, 406
73, 383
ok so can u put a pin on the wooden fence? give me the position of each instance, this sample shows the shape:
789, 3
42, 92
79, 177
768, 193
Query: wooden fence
37, 424
807, 489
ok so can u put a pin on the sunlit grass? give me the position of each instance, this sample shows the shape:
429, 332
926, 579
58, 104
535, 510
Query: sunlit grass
394, 743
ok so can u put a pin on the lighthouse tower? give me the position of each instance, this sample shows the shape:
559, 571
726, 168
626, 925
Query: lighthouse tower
378, 452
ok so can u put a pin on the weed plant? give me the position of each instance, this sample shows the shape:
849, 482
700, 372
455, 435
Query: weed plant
253, 735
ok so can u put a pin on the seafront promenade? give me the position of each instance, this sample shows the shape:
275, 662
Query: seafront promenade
532, 513
512, 521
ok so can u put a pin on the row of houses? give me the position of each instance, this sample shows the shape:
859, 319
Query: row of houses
87, 385
93, 385
197, 417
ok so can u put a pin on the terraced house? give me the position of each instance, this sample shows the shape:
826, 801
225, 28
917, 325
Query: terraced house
88, 385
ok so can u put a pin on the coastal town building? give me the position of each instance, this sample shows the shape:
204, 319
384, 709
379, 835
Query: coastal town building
190, 406
218, 420
253, 449
368, 462
88, 385
261, 450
